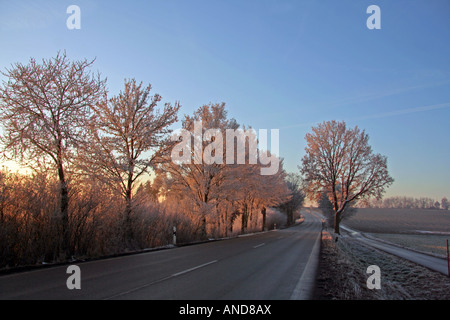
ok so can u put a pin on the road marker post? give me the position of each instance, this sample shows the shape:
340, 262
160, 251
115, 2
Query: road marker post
174, 236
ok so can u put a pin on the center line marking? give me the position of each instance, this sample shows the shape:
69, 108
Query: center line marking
194, 268
259, 245
159, 280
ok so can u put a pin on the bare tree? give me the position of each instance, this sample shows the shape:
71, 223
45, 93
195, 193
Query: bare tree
129, 136
444, 203
43, 108
294, 183
340, 161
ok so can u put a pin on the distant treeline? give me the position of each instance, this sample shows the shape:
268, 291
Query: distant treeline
400, 202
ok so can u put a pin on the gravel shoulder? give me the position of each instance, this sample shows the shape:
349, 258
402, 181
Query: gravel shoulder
342, 274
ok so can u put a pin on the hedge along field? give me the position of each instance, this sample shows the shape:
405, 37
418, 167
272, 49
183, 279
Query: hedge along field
419, 229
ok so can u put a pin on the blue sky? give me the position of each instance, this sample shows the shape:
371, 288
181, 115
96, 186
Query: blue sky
284, 65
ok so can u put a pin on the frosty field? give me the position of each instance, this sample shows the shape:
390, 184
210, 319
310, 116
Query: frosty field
423, 230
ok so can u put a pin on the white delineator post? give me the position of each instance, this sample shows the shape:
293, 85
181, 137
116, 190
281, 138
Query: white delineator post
174, 236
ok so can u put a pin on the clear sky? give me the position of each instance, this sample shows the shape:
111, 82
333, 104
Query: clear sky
284, 65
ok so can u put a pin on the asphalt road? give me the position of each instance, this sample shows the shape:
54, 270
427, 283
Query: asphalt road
273, 265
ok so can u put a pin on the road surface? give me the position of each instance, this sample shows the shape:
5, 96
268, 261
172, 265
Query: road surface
277, 264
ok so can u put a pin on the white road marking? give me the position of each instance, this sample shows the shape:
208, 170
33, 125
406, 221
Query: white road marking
305, 284
194, 268
160, 280
259, 245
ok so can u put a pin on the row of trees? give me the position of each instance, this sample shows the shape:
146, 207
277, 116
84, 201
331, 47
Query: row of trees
221, 191
90, 153
400, 202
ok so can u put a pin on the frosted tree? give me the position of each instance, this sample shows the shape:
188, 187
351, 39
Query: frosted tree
129, 136
241, 187
252, 192
43, 109
214, 169
268, 191
196, 180
341, 162
294, 183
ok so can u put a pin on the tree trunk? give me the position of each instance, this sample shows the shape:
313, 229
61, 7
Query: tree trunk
244, 220
231, 221
263, 212
290, 217
337, 219
128, 230
64, 207
203, 234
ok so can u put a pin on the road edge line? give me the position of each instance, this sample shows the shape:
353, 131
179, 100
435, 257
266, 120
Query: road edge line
305, 286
